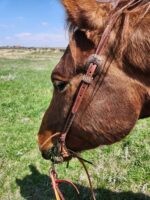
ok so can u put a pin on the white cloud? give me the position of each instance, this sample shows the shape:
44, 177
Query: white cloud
23, 35
39, 36
44, 24
6, 26
19, 18
7, 38
54, 39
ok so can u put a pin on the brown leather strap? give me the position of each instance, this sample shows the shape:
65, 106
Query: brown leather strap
87, 79
111, 23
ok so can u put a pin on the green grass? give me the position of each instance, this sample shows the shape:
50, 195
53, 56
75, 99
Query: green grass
121, 171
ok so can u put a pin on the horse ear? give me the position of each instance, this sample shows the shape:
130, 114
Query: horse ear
87, 14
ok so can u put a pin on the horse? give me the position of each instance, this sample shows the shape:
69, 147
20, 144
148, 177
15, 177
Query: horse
119, 93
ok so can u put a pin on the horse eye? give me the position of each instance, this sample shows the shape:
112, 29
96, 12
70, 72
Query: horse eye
60, 85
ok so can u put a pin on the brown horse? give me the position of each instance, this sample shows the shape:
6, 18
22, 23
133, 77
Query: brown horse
120, 92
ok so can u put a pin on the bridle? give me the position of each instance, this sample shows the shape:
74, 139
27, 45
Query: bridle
88, 77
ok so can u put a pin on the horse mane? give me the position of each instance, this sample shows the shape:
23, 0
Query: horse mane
86, 14
132, 29
92, 14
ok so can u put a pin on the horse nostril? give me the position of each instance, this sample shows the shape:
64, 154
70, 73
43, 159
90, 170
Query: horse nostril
60, 85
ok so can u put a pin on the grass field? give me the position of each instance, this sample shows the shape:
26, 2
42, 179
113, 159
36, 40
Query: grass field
121, 171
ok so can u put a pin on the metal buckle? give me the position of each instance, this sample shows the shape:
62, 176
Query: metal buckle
87, 79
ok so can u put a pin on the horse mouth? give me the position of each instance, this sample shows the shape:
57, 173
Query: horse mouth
56, 159
55, 156
60, 159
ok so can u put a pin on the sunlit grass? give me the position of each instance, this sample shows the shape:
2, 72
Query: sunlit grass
121, 171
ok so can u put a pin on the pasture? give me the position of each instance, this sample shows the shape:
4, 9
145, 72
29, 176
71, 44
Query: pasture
121, 171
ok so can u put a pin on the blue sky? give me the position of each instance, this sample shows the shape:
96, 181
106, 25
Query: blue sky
39, 23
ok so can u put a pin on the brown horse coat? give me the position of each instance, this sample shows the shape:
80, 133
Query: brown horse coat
119, 94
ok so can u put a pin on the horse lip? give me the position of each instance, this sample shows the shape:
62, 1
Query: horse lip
57, 159
54, 154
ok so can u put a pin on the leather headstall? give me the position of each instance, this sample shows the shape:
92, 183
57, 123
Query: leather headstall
94, 63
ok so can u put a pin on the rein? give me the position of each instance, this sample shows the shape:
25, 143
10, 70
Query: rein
56, 181
84, 85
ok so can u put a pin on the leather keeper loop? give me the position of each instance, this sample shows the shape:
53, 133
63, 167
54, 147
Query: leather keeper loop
87, 79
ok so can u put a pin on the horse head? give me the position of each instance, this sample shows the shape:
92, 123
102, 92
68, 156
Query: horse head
119, 94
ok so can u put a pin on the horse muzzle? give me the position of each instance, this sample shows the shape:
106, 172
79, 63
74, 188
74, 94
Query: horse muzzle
55, 154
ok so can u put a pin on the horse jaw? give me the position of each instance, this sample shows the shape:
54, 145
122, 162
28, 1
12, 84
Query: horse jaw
110, 115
